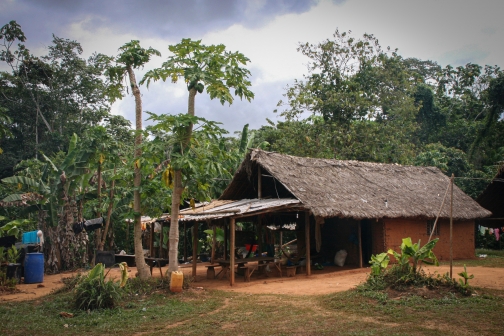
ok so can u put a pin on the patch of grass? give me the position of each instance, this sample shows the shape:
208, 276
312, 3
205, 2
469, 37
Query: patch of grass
415, 314
492, 260
497, 253
197, 312
129, 316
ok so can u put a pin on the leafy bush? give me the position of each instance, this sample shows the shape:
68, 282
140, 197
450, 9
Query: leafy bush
407, 272
93, 292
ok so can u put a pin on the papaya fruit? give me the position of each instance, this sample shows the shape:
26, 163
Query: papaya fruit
200, 87
191, 85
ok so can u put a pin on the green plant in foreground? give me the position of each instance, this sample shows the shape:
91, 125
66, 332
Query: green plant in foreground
379, 263
416, 253
464, 282
93, 292
12, 255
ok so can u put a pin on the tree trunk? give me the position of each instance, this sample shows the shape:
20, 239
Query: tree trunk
143, 271
177, 194
174, 228
109, 214
98, 233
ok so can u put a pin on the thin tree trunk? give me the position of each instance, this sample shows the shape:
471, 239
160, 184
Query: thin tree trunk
177, 194
174, 228
98, 233
109, 214
143, 271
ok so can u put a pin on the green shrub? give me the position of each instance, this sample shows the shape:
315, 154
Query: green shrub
93, 292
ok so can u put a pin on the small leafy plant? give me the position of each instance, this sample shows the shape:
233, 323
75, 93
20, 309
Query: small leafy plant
464, 281
93, 292
379, 263
12, 255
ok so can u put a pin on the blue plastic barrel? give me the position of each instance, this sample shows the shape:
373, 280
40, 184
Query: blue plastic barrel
34, 268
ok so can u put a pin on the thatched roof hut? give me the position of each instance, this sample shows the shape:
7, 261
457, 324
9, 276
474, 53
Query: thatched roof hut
492, 198
352, 189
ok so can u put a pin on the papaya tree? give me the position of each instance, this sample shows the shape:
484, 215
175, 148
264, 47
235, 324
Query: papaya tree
211, 68
132, 56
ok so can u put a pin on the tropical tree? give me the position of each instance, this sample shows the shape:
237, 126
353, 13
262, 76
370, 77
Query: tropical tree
202, 67
58, 195
47, 98
132, 56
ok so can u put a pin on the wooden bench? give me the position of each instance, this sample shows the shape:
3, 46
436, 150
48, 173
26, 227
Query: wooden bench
156, 262
248, 270
211, 271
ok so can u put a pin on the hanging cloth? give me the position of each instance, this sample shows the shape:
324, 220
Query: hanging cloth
318, 235
497, 235
482, 230
490, 231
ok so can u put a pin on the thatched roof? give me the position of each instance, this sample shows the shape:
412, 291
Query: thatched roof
492, 197
351, 189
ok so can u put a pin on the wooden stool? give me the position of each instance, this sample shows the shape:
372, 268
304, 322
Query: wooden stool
291, 271
246, 273
210, 274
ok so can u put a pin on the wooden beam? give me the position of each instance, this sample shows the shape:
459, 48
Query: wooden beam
151, 242
232, 248
185, 242
161, 241
226, 237
307, 242
195, 249
259, 182
451, 227
359, 233
259, 234
214, 243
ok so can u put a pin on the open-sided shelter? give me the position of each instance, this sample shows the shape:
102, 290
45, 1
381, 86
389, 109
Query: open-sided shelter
361, 207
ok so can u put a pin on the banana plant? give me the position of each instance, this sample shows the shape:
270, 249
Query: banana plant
379, 263
416, 253
56, 184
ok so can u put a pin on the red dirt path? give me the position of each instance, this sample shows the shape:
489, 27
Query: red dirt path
329, 280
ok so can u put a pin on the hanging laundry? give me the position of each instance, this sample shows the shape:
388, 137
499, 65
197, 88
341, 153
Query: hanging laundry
482, 230
490, 231
497, 236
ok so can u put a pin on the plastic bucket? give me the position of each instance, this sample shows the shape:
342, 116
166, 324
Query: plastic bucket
254, 247
34, 268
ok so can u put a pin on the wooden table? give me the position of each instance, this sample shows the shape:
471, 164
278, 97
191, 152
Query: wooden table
225, 264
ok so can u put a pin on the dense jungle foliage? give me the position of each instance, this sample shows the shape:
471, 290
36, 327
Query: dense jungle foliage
357, 101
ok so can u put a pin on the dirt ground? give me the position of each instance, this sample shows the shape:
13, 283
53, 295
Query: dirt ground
329, 280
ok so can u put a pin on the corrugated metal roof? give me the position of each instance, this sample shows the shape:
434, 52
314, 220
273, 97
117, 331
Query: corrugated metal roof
221, 209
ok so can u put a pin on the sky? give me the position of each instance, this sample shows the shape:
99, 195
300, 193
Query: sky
266, 31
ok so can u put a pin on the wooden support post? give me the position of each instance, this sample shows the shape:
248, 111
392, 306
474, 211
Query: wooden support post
161, 241
185, 242
226, 237
259, 182
232, 248
359, 233
281, 237
195, 249
214, 243
451, 227
307, 242
151, 240
259, 234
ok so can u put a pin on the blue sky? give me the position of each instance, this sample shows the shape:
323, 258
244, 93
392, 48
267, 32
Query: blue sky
267, 31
